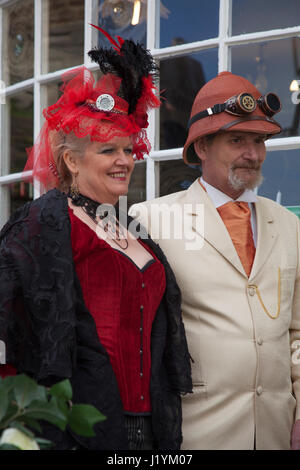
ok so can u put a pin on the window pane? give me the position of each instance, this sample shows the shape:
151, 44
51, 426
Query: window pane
137, 187
21, 130
281, 172
20, 193
18, 34
188, 21
53, 92
180, 80
126, 18
63, 28
272, 66
249, 16
176, 176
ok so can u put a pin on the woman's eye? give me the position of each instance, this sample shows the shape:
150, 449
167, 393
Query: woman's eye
128, 151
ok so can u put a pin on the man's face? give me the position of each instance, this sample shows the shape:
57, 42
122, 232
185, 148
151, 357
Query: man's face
232, 161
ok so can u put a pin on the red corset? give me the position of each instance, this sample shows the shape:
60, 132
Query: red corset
123, 300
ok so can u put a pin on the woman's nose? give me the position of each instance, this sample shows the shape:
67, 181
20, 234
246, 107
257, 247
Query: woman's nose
122, 157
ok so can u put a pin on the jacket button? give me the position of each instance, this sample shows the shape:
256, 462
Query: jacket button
259, 390
251, 290
259, 341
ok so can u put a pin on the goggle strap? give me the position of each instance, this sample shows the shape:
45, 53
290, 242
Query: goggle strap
216, 109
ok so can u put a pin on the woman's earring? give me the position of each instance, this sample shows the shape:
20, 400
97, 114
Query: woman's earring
74, 189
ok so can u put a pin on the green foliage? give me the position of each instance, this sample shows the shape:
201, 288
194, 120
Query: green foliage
23, 403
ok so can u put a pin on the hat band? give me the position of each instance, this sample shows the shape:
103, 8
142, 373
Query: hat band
249, 118
241, 105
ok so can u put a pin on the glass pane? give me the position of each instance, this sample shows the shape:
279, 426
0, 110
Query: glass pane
18, 35
21, 130
63, 30
126, 18
137, 187
249, 16
188, 21
176, 176
281, 172
20, 193
52, 93
180, 80
259, 63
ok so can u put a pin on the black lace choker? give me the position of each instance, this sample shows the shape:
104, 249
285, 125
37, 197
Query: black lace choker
90, 206
111, 223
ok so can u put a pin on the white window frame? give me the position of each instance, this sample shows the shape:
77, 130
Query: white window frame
223, 42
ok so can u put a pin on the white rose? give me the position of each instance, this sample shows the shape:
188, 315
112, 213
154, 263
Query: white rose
19, 439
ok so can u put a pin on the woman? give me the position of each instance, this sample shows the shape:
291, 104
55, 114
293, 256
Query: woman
80, 297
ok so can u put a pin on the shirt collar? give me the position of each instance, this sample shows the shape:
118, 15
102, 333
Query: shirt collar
218, 198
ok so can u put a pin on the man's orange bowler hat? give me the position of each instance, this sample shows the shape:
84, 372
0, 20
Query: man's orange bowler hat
217, 91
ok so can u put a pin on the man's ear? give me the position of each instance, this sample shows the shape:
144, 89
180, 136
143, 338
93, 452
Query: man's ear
200, 147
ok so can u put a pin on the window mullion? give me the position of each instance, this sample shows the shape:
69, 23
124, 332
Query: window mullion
88, 30
152, 167
224, 62
37, 119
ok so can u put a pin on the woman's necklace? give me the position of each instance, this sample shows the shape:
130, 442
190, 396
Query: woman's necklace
107, 221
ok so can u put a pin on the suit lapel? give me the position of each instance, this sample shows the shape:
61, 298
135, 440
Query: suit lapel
266, 236
215, 232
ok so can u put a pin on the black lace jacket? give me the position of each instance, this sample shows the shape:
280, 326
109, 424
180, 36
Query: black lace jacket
50, 335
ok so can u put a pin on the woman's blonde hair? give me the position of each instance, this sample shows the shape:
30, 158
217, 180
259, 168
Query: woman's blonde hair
60, 143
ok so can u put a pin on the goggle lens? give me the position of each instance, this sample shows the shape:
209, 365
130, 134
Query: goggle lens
270, 104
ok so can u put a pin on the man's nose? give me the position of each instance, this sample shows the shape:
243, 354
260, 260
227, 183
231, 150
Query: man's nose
252, 152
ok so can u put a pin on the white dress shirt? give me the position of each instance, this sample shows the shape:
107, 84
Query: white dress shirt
218, 199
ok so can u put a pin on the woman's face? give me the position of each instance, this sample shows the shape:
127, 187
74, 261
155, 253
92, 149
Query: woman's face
105, 170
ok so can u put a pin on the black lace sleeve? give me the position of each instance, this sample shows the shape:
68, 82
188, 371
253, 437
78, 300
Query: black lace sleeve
13, 329
37, 317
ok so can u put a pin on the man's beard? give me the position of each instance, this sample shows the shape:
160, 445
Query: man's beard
238, 183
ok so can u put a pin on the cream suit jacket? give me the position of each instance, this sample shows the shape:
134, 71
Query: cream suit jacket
246, 374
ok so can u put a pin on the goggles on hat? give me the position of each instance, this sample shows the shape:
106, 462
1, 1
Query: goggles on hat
241, 105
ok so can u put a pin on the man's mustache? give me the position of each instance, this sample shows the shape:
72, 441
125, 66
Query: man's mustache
248, 166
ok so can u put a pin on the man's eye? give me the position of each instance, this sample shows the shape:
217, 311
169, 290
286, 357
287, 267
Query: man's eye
128, 151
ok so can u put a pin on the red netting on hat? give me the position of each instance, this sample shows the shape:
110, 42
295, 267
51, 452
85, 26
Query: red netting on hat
75, 112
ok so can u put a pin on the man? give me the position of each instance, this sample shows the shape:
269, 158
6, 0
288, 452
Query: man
240, 280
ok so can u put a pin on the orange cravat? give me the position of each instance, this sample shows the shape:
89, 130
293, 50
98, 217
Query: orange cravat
236, 216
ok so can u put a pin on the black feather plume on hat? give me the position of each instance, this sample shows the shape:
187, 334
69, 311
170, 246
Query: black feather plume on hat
128, 60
